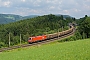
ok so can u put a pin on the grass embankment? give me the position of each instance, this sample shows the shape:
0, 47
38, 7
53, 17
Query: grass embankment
74, 50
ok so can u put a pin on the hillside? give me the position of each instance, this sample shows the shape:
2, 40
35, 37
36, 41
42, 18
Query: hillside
31, 27
74, 50
64, 16
8, 18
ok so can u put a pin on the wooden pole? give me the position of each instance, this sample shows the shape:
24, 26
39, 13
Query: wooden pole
62, 28
9, 39
58, 33
20, 39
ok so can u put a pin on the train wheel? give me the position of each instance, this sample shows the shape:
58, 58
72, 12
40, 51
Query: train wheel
30, 42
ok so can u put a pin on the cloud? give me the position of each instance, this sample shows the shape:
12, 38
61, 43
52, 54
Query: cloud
23, 0
75, 8
5, 3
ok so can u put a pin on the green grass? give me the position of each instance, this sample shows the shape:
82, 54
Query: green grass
74, 50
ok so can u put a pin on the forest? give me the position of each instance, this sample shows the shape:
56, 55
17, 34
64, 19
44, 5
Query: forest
82, 29
40, 25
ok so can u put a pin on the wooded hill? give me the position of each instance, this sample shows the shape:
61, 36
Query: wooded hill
82, 29
32, 27
8, 18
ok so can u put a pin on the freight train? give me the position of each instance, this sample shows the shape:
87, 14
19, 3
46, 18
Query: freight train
50, 36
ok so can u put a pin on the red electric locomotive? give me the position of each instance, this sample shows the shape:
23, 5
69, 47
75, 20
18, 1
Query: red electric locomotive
37, 38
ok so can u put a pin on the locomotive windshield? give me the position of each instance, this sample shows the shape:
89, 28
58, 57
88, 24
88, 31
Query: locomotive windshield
29, 38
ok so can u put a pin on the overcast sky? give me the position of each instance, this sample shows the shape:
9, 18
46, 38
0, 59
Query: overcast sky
75, 8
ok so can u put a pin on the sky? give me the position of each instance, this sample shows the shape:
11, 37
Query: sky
74, 8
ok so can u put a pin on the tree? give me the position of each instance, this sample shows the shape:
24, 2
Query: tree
86, 16
85, 27
61, 17
84, 35
78, 35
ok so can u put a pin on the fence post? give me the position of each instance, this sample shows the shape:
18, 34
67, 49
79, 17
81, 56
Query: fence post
9, 39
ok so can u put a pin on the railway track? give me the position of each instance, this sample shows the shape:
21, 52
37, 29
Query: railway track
42, 42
